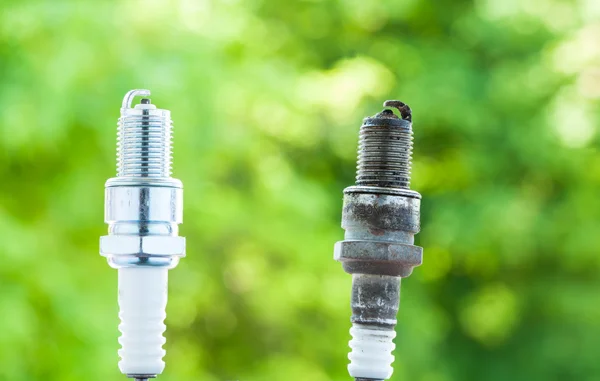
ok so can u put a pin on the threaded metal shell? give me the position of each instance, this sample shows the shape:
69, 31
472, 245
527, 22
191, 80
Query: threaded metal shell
144, 147
385, 152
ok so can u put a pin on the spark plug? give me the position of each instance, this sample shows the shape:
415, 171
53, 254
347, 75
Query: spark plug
143, 207
380, 217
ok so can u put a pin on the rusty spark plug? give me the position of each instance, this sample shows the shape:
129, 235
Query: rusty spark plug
380, 217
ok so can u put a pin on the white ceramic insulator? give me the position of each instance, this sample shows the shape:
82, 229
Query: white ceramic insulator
371, 355
142, 302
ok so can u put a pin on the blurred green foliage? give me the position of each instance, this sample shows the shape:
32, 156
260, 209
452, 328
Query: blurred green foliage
267, 97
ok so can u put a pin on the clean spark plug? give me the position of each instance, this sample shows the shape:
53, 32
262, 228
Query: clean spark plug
143, 208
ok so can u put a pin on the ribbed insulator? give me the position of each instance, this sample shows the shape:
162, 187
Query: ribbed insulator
371, 356
142, 302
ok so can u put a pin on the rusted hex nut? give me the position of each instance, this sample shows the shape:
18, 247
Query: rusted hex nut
378, 257
366, 208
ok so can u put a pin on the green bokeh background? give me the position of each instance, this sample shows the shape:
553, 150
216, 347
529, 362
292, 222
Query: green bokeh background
267, 97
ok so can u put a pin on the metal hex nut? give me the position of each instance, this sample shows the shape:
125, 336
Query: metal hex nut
378, 257
145, 245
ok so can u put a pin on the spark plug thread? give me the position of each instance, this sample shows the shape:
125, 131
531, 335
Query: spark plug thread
144, 141
385, 149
